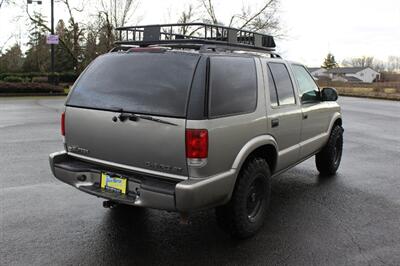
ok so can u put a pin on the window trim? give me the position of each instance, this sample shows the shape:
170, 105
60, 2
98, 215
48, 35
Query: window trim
298, 87
277, 95
208, 89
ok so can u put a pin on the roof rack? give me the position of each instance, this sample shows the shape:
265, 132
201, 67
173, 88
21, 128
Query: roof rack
194, 35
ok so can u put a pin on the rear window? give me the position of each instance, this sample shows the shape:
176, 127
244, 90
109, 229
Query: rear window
233, 86
147, 83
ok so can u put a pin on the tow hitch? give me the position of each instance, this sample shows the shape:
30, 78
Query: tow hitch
109, 204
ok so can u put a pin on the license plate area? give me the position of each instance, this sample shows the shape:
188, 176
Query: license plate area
113, 183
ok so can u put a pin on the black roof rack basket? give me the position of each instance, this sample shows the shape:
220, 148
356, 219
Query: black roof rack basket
193, 34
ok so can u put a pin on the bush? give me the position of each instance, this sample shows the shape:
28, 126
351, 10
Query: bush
13, 79
66, 77
42, 79
28, 87
53, 78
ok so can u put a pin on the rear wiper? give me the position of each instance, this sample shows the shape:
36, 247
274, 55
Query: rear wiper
134, 117
147, 117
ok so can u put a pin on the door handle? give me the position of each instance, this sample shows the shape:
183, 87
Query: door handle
274, 122
305, 116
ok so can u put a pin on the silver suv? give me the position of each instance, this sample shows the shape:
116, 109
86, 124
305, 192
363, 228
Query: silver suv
187, 124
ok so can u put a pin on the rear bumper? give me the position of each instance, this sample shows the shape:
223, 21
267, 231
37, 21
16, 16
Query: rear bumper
145, 190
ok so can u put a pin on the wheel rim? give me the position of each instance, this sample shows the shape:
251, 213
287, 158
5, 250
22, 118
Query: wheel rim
337, 151
255, 198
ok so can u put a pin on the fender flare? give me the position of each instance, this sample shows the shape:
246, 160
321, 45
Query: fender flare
252, 145
335, 117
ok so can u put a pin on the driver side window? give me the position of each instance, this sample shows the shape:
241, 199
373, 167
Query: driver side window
309, 91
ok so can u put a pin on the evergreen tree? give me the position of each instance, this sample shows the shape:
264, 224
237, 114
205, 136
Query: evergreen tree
38, 55
12, 59
64, 60
329, 62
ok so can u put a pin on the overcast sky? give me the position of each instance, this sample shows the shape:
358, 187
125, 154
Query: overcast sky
347, 28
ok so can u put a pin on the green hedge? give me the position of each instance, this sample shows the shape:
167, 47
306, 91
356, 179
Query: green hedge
65, 77
28, 87
14, 79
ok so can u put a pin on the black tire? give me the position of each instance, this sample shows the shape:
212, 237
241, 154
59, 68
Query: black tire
328, 159
244, 215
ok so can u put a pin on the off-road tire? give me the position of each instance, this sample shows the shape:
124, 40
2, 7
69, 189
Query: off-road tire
328, 159
253, 185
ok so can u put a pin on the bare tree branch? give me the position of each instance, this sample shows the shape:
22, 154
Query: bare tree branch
44, 26
209, 7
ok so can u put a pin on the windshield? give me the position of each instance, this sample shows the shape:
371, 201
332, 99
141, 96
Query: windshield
147, 83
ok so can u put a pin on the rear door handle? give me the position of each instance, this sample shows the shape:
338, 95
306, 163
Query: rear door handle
274, 122
305, 116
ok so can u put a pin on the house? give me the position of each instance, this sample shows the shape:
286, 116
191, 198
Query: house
347, 74
352, 74
317, 71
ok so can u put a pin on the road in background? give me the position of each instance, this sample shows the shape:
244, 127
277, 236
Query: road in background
352, 219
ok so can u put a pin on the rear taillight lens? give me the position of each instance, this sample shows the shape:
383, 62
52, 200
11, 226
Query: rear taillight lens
63, 123
196, 143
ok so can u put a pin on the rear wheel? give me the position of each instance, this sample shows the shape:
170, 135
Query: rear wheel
244, 215
328, 159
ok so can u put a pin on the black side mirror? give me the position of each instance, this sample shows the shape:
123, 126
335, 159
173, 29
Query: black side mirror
329, 94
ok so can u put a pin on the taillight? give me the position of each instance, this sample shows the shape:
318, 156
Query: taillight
63, 123
196, 143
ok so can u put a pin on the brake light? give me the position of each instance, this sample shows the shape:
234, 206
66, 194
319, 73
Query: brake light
63, 123
196, 143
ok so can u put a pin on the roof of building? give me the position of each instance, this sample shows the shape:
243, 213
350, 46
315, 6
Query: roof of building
346, 70
312, 69
352, 79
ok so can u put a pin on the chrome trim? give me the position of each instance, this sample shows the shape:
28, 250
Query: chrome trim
123, 166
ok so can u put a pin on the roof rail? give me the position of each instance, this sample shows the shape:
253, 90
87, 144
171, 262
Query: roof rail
195, 35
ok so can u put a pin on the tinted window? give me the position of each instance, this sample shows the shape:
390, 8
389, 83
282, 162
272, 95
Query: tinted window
272, 89
283, 83
309, 91
148, 83
233, 85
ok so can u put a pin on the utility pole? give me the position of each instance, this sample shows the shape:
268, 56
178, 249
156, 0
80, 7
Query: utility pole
52, 45
39, 2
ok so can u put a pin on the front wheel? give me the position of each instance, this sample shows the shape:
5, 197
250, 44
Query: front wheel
244, 215
328, 159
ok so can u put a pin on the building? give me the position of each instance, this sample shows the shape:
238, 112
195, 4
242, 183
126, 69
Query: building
317, 71
347, 74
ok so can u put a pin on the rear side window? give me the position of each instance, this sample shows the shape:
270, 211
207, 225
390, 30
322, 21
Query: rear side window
147, 83
283, 83
233, 86
273, 95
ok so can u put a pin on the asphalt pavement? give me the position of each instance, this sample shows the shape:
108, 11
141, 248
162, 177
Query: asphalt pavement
351, 219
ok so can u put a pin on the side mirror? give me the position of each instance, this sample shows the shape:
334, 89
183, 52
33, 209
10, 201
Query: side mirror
329, 94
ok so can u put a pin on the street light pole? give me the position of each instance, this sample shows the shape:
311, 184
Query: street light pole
52, 45
52, 33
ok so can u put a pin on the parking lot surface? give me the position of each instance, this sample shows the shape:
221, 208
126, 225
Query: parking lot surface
351, 219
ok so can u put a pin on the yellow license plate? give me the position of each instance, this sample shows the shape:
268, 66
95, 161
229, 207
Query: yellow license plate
113, 183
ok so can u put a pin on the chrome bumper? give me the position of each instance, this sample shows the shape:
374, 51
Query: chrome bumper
144, 190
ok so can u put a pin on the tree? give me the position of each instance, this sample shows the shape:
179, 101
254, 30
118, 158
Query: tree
329, 62
262, 19
393, 64
38, 55
113, 14
71, 43
364, 61
12, 59
65, 61
5, 2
